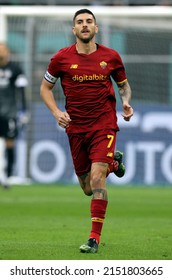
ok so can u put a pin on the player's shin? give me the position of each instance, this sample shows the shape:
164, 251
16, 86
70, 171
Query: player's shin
98, 211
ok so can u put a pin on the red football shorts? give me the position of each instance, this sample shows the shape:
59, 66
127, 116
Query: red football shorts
89, 147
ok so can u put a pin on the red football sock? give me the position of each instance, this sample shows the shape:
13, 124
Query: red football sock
113, 166
98, 210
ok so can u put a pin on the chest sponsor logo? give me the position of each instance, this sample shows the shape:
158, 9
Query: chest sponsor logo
93, 77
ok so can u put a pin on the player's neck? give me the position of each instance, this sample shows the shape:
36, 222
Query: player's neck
86, 48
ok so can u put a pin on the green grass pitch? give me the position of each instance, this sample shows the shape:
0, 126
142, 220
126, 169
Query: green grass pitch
51, 222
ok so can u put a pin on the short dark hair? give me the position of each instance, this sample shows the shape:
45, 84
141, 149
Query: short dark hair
83, 11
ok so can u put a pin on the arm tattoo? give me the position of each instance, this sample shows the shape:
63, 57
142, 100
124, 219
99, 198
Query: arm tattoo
125, 91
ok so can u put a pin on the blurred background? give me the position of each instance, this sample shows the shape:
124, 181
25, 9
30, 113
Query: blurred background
87, 2
141, 31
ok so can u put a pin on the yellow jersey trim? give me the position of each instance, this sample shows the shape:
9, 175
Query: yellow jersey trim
119, 83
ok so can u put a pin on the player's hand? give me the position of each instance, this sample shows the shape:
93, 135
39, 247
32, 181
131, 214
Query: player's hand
64, 119
127, 112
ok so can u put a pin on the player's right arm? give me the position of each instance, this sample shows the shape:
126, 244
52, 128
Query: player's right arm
46, 92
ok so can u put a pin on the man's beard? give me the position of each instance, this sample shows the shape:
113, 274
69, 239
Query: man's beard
86, 40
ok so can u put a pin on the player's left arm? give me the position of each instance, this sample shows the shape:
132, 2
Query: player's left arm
125, 96
21, 85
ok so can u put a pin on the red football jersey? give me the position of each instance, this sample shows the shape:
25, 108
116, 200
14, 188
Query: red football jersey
87, 85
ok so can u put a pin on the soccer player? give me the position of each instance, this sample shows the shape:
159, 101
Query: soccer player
12, 81
85, 70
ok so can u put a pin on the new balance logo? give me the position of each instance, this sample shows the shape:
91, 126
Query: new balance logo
74, 66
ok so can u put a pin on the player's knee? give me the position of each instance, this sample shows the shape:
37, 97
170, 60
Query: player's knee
87, 192
96, 180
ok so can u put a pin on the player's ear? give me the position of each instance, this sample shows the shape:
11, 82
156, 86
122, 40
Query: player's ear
73, 30
96, 29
